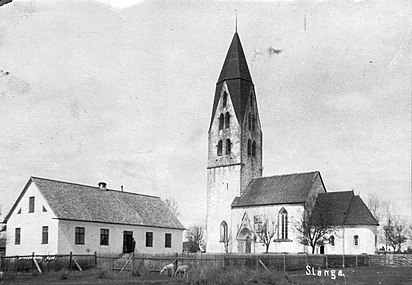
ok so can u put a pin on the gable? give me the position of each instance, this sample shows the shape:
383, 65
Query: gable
280, 189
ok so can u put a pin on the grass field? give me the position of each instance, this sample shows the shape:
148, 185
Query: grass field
352, 276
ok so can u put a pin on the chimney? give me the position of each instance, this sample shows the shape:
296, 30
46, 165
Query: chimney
102, 185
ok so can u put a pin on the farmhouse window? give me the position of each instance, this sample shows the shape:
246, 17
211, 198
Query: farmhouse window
104, 236
17, 236
149, 239
168, 240
31, 204
45, 235
79, 235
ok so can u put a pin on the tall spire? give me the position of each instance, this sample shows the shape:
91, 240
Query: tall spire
236, 23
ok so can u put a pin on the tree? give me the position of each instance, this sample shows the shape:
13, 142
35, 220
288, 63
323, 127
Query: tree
195, 237
3, 236
266, 232
172, 205
316, 222
394, 230
377, 207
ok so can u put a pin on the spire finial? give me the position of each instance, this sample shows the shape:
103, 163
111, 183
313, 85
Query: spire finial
236, 22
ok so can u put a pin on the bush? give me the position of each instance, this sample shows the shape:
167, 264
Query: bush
218, 275
64, 274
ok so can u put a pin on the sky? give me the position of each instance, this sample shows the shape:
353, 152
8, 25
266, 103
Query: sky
122, 92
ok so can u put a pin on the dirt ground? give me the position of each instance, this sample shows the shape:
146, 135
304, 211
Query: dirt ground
352, 276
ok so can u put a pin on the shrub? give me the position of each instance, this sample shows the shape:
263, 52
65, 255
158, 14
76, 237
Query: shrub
64, 274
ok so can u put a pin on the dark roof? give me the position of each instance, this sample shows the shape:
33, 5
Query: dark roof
279, 189
236, 73
71, 201
347, 209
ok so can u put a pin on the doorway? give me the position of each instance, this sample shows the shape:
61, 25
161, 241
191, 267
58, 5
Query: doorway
128, 241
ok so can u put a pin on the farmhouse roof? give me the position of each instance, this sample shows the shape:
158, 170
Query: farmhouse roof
279, 189
235, 72
347, 208
70, 201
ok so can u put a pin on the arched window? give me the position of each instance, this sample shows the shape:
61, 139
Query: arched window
249, 122
221, 120
332, 240
228, 147
254, 148
283, 224
253, 123
224, 99
249, 147
219, 148
223, 232
356, 240
227, 120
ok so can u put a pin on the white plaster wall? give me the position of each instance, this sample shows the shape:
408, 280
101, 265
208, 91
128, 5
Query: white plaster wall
92, 238
294, 214
31, 226
344, 240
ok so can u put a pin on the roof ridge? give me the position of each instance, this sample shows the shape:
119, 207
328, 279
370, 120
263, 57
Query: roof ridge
95, 187
289, 174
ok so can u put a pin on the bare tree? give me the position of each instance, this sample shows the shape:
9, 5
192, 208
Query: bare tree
172, 205
377, 207
266, 232
195, 236
316, 222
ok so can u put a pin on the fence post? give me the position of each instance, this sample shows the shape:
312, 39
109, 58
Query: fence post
284, 263
95, 259
223, 261
70, 260
356, 260
343, 260
327, 263
32, 261
133, 264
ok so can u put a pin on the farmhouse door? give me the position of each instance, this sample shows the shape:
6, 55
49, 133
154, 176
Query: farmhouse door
127, 241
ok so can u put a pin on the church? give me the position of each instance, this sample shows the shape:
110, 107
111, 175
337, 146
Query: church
240, 200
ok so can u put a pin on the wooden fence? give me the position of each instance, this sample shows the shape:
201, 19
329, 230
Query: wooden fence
252, 261
26, 263
392, 259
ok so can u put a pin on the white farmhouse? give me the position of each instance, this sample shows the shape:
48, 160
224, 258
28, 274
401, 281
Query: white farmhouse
54, 217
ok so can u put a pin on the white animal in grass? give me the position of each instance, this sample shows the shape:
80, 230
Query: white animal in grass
168, 268
182, 269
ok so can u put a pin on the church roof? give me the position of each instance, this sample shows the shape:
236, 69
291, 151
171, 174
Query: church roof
235, 72
348, 209
78, 202
279, 189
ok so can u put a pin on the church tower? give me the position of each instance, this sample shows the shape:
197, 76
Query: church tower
235, 145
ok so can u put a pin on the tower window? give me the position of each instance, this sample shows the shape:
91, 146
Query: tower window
253, 122
228, 146
249, 147
219, 148
224, 99
283, 223
254, 149
31, 204
223, 232
227, 120
221, 121
249, 122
